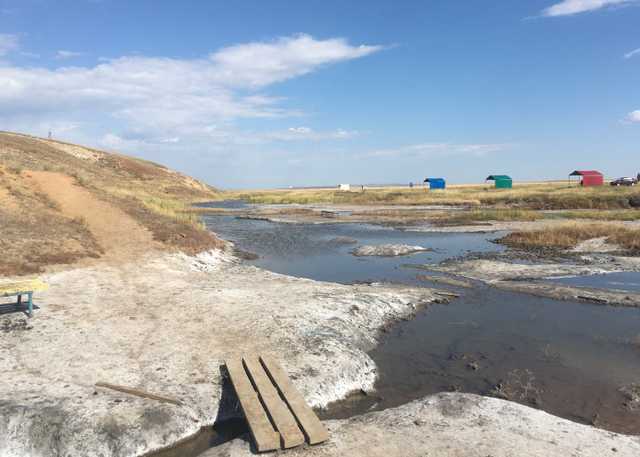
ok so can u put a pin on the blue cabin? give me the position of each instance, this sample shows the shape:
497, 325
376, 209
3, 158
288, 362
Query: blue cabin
436, 183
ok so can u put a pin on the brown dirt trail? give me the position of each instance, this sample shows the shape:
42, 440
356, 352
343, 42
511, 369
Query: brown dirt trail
119, 235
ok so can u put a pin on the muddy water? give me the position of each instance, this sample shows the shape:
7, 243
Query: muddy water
570, 359
322, 251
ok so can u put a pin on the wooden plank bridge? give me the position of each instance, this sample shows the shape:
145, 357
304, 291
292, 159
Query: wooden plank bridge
277, 414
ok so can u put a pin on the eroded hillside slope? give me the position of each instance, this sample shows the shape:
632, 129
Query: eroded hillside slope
60, 203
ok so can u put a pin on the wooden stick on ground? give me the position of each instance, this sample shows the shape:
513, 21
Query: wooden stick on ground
139, 393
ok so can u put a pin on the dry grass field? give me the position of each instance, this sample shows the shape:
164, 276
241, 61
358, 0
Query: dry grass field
536, 196
570, 234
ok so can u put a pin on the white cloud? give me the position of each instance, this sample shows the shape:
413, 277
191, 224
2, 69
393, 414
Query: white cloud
8, 43
307, 133
63, 54
157, 97
260, 64
440, 150
633, 116
630, 54
569, 7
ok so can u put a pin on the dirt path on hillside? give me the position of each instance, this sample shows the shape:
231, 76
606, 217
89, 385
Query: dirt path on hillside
119, 235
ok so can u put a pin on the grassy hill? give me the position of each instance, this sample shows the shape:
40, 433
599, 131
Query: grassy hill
37, 230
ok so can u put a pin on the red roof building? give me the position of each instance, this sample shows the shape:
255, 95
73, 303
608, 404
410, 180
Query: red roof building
589, 177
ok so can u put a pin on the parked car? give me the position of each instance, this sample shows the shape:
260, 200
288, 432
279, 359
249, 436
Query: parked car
624, 182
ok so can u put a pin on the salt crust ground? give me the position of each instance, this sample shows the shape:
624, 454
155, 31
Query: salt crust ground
537, 279
166, 324
493, 271
387, 250
458, 425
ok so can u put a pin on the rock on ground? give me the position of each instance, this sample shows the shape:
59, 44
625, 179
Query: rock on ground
458, 425
387, 250
165, 325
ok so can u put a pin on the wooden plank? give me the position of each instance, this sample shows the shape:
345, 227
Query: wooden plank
309, 422
138, 393
277, 410
264, 436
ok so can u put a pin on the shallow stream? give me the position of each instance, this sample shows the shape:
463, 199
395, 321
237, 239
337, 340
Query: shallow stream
570, 359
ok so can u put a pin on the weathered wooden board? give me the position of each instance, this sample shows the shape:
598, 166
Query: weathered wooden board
264, 436
278, 411
313, 429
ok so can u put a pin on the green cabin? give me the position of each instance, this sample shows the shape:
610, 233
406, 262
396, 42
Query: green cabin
502, 181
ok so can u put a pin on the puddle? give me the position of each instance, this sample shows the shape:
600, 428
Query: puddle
629, 281
570, 359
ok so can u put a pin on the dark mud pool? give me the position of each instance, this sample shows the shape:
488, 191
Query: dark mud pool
576, 360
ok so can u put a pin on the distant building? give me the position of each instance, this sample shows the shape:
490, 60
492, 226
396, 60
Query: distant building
589, 177
436, 183
344, 187
501, 181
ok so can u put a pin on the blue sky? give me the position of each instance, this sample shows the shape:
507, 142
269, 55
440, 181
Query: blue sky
270, 94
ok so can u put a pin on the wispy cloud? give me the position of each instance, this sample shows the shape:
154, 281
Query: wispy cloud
440, 150
307, 133
172, 98
570, 7
223, 135
64, 54
633, 117
260, 64
630, 54
8, 43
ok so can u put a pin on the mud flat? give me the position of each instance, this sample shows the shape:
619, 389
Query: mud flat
164, 325
564, 292
455, 424
492, 270
526, 277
